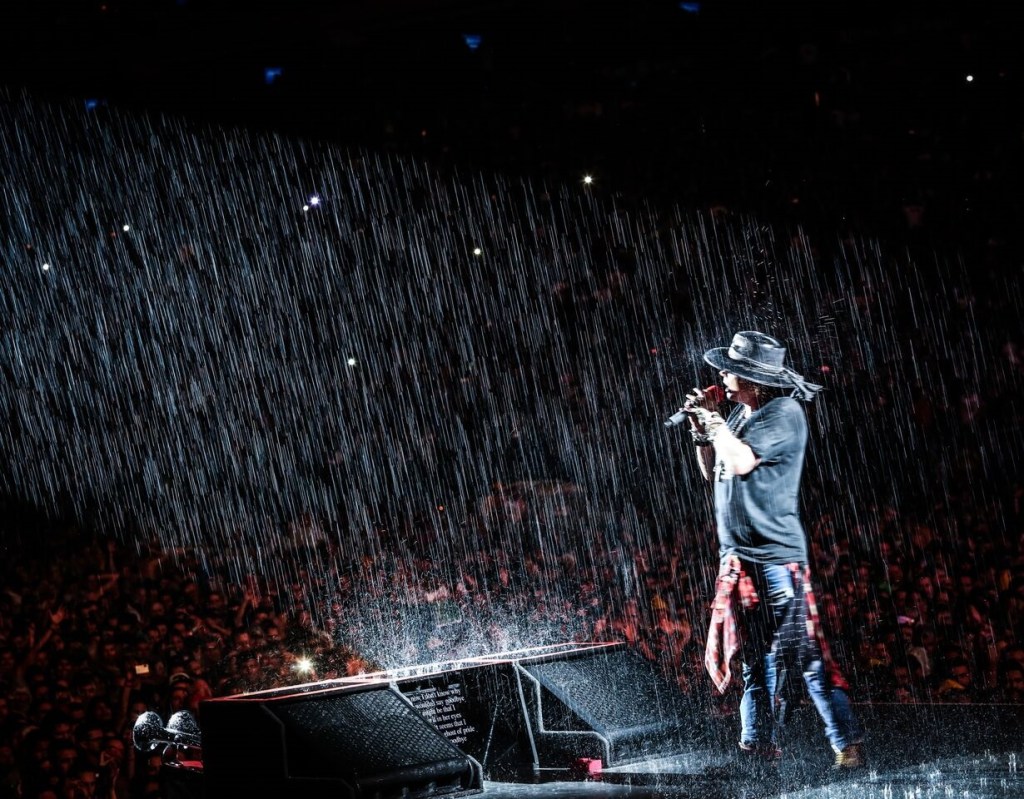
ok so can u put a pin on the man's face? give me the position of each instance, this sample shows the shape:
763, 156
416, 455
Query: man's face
962, 674
736, 389
179, 695
114, 749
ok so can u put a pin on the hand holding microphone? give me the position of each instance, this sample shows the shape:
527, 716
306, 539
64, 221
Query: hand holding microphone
707, 399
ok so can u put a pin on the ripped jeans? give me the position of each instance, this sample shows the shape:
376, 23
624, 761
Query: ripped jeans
776, 646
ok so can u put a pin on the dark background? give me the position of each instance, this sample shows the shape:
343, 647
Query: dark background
830, 115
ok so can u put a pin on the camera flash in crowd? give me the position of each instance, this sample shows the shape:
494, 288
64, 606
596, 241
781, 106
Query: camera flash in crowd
303, 665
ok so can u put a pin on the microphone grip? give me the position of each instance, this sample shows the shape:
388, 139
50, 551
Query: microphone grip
676, 418
713, 393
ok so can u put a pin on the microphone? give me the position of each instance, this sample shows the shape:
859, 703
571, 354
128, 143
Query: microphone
713, 393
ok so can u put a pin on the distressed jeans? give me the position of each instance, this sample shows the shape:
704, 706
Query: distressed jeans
776, 646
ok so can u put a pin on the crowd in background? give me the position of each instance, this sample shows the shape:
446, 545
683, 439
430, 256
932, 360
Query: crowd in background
921, 587
919, 568
920, 610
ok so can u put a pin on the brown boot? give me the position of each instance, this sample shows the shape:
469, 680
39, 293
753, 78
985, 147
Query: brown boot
852, 757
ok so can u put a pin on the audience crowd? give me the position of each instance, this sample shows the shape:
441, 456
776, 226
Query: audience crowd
919, 571
920, 610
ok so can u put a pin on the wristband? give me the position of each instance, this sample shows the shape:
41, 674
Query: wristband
700, 439
711, 422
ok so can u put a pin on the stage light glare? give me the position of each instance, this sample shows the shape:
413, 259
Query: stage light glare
587, 180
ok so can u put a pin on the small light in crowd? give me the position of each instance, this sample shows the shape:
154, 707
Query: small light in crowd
351, 361
472, 40
314, 200
970, 78
271, 74
305, 208
440, 508
477, 251
126, 228
303, 665
587, 180
46, 267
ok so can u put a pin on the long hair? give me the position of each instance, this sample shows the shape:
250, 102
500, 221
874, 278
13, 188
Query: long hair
765, 394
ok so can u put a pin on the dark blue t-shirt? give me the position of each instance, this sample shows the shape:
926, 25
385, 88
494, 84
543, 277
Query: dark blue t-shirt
757, 513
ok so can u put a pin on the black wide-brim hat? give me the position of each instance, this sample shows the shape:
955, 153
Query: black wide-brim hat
754, 357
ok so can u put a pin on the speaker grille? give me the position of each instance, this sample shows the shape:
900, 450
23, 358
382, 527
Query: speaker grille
363, 734
608, 692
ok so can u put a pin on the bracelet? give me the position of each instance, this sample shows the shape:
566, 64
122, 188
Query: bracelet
713, 427
711, 422
700, 439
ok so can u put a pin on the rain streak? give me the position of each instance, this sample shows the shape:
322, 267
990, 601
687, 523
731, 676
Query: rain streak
333, 368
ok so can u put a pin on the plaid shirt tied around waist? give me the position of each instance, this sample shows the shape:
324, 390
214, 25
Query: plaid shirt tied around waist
724, 636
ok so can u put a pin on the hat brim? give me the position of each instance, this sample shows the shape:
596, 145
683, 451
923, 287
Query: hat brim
719, 358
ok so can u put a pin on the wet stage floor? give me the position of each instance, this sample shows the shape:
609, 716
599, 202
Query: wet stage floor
923, 751
989, 775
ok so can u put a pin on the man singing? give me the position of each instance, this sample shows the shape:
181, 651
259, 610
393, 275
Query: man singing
764, 606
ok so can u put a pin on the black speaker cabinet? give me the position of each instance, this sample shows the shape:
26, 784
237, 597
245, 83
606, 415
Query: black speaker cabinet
546, 707
437, 729
356, 741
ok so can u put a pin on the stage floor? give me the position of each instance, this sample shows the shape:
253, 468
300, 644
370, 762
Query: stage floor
992, 775
923, 751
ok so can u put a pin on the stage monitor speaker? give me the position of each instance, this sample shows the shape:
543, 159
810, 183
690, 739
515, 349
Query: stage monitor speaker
363, 744
606, 703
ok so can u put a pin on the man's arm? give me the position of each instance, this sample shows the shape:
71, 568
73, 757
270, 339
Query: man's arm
703, 450
705, 460
737, 456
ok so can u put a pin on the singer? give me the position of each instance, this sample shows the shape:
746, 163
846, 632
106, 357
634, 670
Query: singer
764, 606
